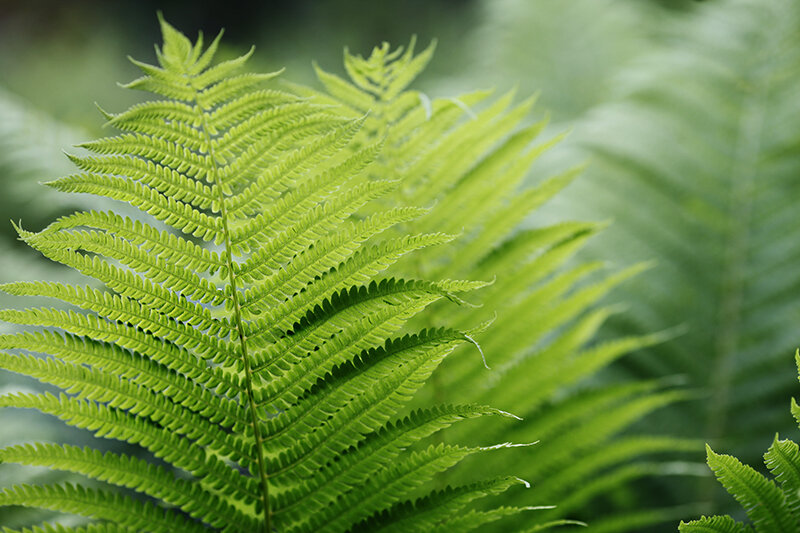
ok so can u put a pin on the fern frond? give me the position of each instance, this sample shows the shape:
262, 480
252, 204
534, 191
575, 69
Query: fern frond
761, 498
31, 149
468, 158
165, 245
122, 309
783, 460
349, 304
354, 377
326, 255
180, 215
377, 450
714, 524
435, 509
270, 185
369, 410
256, 370
133, 473
320, 220
117, 424
245, 106
173, 378
769, 506
100, 504
101, 387
99, 329
171, 277
128, 284
177, 183
389, 485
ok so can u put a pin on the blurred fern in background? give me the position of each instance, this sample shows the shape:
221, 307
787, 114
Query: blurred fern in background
31, 149
697, 162
567, 51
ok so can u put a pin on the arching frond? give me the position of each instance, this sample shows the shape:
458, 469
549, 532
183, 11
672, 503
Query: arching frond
264, 374
466, 159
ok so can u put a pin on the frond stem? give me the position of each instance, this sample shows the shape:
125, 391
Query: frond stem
237, 315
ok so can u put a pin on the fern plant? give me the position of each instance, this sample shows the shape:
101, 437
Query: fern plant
704, 138
468, 157
238, 337
771, 507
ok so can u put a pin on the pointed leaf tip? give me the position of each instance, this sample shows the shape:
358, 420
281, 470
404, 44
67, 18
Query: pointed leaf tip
478, 346
523, 482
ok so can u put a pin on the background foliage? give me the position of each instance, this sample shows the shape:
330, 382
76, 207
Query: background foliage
686, 112
702, 133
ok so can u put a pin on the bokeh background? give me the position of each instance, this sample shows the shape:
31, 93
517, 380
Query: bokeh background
686, 112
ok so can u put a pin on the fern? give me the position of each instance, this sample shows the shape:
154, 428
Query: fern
468, 158
771, 505
238, 336
702, 139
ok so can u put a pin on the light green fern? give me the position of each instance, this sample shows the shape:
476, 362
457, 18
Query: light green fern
239, 336
468, 157
773, 506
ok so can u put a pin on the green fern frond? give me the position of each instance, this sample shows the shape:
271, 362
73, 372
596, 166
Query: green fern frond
467, 159
435, 509
57, 528
770, 505
162, 244
136, 474
100, 504
760, 497
715, 524
264, 374
783, 460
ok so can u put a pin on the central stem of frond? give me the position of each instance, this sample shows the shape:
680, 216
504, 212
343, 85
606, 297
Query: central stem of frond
237, 316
